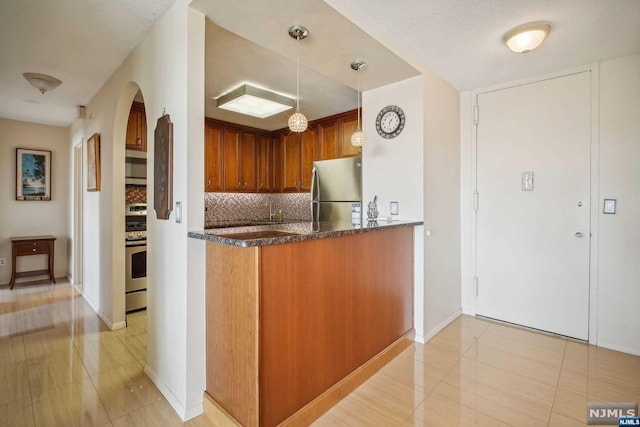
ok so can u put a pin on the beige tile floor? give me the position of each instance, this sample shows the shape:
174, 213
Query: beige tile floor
60, 366
483, 373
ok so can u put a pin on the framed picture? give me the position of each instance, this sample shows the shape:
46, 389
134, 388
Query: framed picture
93, 163
33, 174
163, 168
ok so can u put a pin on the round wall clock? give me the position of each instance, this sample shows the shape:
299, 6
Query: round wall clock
390, 121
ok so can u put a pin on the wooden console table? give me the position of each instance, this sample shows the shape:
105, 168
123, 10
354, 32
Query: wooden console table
33, 245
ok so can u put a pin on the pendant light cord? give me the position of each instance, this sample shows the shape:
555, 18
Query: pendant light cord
359, 94
297, 75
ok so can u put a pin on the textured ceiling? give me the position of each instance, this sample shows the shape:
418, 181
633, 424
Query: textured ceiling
80, 42
461, 40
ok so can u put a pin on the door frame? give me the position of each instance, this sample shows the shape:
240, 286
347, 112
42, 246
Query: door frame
469, 188
78, 220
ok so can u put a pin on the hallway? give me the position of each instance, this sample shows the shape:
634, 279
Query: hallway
61, 366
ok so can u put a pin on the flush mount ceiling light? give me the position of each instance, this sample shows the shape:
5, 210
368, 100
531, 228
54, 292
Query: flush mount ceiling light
525, 38
42, 82
253, 101
298, 122
358, 138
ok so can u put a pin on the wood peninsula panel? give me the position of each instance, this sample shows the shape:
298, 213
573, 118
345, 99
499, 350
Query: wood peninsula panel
232, 330
326, 307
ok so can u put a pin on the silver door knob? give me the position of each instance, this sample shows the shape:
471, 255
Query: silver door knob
579, 234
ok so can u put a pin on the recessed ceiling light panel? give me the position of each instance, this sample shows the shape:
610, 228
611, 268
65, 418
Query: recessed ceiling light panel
254, 101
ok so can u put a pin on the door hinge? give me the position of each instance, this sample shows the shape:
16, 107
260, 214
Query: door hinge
476, 114
475, 285
475, 201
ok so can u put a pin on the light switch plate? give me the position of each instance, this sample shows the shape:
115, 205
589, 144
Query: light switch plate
609, 206
527, 181
178, 212
394, 208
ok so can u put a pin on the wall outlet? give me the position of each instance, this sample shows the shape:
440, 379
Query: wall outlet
394, 208
3, 262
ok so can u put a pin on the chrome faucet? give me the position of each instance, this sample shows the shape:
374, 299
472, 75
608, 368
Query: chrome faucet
272, 213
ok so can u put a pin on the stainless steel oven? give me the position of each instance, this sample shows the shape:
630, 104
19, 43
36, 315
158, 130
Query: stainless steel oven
136, 257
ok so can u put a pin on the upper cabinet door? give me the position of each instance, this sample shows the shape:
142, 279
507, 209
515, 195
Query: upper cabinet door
266, 164
309, 155
248, 162
136, 138
348, 125
213, 148
328, 140
291, 166
232, 175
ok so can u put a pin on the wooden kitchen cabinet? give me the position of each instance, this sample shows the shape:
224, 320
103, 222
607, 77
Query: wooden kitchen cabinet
334, 136
213, 157
239, 161
298, 153
328, 140
136, 138
347, 126
309, 155
266, 164
244, 159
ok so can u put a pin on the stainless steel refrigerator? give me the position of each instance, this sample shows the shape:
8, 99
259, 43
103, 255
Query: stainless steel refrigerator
336, 191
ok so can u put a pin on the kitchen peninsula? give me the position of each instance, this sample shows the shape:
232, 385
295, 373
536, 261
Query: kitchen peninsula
298, 315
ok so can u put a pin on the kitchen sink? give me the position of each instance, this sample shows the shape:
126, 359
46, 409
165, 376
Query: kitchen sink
262, 234
265, 222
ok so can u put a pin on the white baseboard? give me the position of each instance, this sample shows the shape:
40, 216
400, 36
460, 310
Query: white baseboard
623, 348
434, 331
183, 413
112, 326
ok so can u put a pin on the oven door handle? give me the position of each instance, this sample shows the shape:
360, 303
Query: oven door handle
136, 244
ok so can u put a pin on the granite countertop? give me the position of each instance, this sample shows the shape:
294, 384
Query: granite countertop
246, 223
274, 234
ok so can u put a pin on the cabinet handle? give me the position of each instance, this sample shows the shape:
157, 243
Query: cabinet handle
34, 249
239, 184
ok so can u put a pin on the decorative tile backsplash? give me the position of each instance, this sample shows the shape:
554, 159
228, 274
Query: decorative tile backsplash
241, 206
135, 194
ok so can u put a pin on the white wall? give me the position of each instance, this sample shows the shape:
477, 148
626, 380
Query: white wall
33, 218
442, 203
167, 66
616, 240
420, 170
393, 169
618, 315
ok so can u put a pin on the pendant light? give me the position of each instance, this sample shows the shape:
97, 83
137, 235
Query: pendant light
359, 138
298, 122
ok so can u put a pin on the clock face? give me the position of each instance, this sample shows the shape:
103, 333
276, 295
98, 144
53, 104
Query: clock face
390, 121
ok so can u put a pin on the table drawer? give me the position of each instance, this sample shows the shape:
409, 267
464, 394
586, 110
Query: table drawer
33, 249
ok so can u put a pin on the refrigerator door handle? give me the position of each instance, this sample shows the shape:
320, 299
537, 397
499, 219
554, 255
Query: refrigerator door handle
314, 173
315, 185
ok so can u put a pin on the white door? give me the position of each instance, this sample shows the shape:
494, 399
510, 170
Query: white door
533, 246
